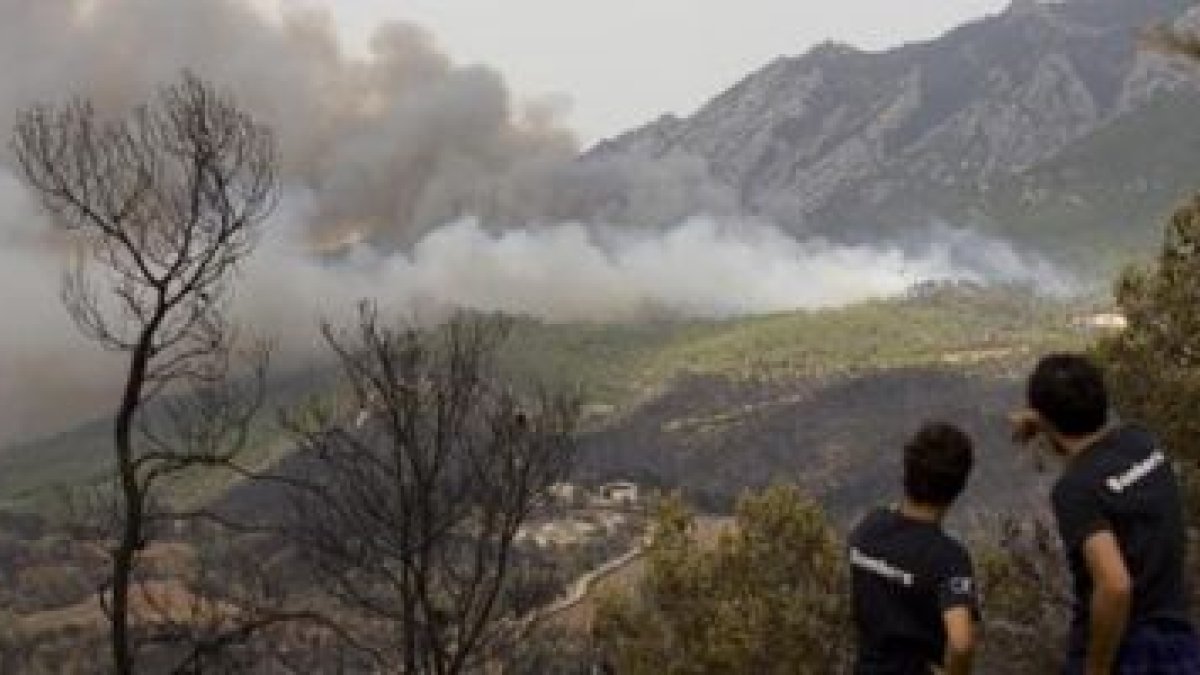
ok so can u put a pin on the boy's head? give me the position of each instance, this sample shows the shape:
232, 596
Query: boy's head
1067, 392
937, 462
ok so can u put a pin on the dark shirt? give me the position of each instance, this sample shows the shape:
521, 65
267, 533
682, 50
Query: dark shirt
1124, 484
905, 574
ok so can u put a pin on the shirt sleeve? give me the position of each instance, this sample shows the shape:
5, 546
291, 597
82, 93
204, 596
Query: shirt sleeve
956, 585
1078, 512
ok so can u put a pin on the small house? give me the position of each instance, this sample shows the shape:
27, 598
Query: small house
623, 493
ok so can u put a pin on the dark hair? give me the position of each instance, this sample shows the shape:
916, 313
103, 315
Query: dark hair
937, 462
1068, 391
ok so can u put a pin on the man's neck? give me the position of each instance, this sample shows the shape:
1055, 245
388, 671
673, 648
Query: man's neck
1074, 446
926, 513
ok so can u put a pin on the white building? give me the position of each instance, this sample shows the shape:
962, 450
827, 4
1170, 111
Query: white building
622, 492
1107, 321
565, 492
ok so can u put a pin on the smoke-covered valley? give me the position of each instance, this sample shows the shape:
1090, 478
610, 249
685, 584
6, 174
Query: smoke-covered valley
418, 182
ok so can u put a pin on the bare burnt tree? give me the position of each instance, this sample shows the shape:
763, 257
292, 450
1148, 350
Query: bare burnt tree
419, 487
164, 204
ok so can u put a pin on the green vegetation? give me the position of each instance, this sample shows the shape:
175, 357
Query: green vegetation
43, 468
49, 475
1154, 366
703, 608
1026, 595
768, 597
45, 475
769, 594
617, 366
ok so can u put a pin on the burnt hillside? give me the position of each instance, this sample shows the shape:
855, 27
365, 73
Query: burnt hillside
840, 440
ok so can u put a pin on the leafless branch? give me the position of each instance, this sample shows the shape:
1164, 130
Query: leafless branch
164, 204
424, 481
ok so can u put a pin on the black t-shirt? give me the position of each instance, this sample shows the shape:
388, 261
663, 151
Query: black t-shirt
905, 574
1125, 484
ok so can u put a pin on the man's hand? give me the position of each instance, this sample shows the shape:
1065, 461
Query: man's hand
1026, 425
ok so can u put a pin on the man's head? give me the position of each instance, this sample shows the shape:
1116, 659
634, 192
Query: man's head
937, 462
1067, 392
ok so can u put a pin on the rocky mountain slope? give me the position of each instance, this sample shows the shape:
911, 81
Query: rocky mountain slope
854, 143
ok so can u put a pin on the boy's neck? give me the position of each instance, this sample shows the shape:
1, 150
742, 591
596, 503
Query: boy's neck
926, 513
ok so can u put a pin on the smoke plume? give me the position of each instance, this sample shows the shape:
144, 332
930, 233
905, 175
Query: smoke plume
703, 267
410, 179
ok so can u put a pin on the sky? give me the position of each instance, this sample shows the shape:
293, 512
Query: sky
615, 64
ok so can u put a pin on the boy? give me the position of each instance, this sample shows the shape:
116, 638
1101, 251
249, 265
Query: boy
913, 588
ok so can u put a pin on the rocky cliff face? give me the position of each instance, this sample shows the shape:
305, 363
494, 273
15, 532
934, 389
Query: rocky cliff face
840, 140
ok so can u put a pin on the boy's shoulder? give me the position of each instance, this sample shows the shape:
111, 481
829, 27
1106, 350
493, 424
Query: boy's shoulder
883, 521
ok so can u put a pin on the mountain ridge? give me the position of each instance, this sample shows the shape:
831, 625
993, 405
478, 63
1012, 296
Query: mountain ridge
852, 143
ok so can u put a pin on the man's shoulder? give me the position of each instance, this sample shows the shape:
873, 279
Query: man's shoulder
1132, 439
1127, 456
872, 521
1136, 430
1090, 470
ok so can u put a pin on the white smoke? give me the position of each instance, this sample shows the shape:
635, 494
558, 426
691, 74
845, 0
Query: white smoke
987, 260
701, 268
48, 372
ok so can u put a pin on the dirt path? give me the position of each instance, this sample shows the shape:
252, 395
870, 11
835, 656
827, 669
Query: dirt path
569, 610
576, 609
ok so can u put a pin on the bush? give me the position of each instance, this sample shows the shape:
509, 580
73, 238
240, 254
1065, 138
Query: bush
769, 597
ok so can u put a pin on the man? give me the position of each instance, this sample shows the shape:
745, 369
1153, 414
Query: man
913, 589
1117, 505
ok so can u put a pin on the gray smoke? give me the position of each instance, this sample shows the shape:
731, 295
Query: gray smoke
432, 185
393, 144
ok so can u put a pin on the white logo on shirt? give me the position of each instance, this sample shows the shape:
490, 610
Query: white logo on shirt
881, 568
960, 585
1136, 472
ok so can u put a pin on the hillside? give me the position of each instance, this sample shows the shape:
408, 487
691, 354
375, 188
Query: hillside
839, 440
627, 373
47, 474
617, 365
971, 128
